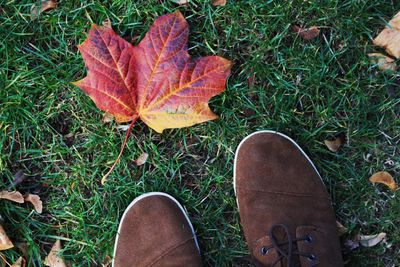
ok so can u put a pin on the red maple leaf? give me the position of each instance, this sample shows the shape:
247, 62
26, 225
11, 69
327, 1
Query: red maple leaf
155, 81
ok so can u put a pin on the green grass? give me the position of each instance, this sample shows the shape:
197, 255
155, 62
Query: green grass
309, 90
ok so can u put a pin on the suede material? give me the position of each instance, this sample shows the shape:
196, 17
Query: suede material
155, 232
276, 184
318, 247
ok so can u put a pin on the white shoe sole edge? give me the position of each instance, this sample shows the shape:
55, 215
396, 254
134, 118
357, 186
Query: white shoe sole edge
262, 132
136, 200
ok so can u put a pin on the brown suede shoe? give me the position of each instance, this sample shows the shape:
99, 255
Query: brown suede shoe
155, 231
284, 208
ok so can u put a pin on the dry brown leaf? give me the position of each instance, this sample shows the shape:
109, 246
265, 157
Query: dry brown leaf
13, 196
335, 144
44, 6
141, 159
383, 62
53, 260
23, 247
181, 2
389, 38
351, 244
371, 240
341, 229
306, 33
107, 117
384, 178
106, 261
19, 177
5, 242
219, 2
251, 80
107, 23
36, 202
18, 263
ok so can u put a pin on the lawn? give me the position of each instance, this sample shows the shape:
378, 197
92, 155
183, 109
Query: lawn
310, 90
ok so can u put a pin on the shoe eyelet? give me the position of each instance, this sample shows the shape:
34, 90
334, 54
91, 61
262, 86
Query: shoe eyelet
308, 239
264, 250
311, 257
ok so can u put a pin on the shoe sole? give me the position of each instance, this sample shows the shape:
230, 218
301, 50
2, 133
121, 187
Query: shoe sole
271, 132
136, 200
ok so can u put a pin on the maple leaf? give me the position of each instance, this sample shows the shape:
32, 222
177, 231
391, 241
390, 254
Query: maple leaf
156, 81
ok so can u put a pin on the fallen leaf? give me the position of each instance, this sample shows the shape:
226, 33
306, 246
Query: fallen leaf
181, 2
384, 178
107, 23
335, 144
36, 202
12, 195
19, 177
341, 229
219, 2
306, 33
251, 80
352, 244
107, 117
155, 81
18, 263
5, 242
383, 62
106, 261
141, 159
53, 260
389, 38
23, 247
371, 240
44, 6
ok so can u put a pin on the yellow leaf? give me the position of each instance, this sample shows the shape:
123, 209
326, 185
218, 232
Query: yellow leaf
389, 38
5, 242
13, 196
384, 178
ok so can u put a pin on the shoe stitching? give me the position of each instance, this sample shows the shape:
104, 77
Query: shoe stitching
282, 193
168, 251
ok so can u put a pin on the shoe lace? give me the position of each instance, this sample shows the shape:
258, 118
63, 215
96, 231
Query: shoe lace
290, 243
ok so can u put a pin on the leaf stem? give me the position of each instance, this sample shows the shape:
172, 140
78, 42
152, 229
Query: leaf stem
104, 179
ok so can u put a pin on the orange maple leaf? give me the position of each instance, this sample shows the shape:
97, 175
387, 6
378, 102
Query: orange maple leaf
155, 81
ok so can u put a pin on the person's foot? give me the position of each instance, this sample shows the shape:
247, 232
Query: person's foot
155, 231
284, 208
